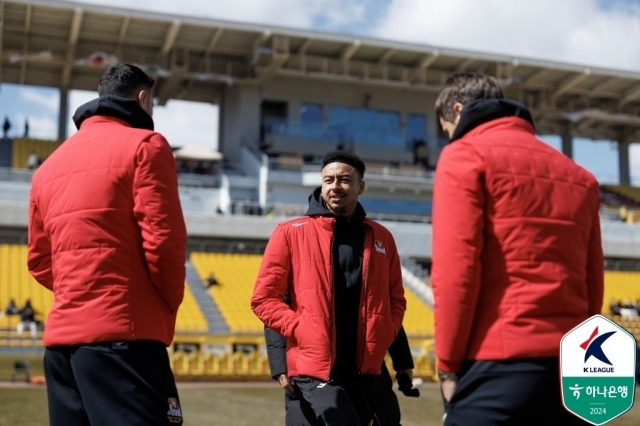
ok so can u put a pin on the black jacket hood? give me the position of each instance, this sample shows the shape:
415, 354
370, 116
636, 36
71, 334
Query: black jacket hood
124, 109
481, 111
317, 207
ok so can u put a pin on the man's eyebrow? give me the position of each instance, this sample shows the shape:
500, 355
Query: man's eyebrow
339, 175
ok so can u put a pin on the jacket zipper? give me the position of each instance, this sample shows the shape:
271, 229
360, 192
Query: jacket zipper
364, 318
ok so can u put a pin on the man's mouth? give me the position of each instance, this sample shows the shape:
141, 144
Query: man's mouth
336, 198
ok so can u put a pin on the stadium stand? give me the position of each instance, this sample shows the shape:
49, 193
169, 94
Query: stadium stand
22, 148
17, 283
418, 319
200, 362
631, 193
190, 317
236, 275
620, 285
623, 287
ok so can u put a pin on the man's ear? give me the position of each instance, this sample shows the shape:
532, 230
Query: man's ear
457, 110
142, 97
362, 186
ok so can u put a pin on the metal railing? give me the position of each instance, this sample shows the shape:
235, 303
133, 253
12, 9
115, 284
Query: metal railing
15, 175
197, 180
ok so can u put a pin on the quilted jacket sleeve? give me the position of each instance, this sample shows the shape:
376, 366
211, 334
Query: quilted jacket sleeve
159, 215
458, 206
595, 264
272, 284
39, 256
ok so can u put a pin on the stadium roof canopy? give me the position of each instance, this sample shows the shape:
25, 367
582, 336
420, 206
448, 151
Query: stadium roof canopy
68, 45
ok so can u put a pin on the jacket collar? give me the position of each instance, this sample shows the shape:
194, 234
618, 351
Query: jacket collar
126, 110
481, 111
318, 210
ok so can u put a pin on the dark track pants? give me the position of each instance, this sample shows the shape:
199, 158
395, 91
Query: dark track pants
525, 392
388, 408
114, 383
300, 413
347, 399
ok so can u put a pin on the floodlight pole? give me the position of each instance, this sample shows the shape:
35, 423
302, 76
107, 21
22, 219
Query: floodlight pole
567, 141
623, 163
63, 113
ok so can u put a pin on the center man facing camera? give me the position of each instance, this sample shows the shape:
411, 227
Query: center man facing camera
342, 272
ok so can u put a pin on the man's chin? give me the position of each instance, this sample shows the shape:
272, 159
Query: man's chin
338, 209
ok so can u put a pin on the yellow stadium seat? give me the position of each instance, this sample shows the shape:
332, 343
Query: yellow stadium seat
190, 318
418, 318
236, 275
22, 147
17, 283
620, 285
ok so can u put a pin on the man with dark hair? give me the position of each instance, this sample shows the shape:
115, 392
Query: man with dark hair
342, 273
107, 236
517, 259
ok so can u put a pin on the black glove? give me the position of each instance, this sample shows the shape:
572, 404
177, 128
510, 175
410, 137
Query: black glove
405, 385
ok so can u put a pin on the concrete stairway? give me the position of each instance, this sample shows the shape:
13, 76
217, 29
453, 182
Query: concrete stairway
216, 322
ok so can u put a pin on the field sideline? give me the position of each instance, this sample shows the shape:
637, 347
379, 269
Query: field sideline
220, 403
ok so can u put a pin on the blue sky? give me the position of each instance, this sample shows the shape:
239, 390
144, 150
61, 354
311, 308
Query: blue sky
602, 33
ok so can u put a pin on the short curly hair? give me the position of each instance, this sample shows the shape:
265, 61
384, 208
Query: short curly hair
124, 80
463, 88
346, 157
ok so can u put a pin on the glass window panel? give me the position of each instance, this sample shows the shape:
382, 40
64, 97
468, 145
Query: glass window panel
416, 127
311, 121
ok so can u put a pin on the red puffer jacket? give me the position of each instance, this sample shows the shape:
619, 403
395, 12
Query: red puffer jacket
517, 255
298, 260
106, 232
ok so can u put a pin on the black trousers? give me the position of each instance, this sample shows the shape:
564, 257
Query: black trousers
114, 383
347, 399
523, 392
387, 406
387, 409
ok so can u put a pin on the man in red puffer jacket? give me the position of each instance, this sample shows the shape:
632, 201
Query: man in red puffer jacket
342, 272
517, 259
107, 236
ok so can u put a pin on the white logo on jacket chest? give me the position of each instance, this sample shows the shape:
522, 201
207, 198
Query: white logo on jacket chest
380, 248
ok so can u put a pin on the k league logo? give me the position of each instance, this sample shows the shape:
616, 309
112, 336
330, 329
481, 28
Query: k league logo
593, 348
597, 369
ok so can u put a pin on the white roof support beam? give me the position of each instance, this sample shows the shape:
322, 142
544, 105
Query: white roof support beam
214, 40
123, 32
465, 65
25, 44
603, 85
279, 58
571, 82
631, 95
171, 36
305, 46
260, 40
538, 75
171, 86
74, 34
350, 50
1, 32
387, 55
427, 60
